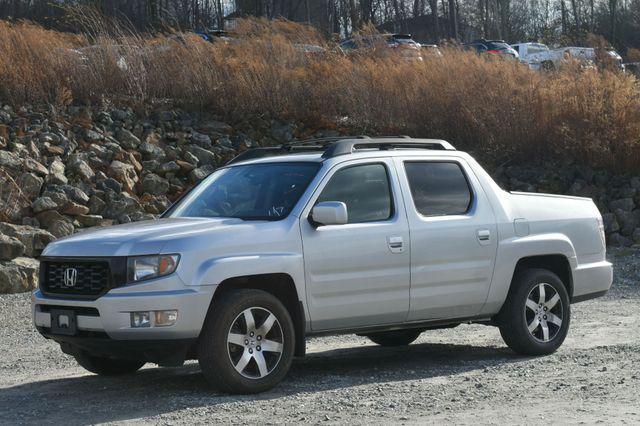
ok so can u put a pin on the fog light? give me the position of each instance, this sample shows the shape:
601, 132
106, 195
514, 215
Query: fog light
165, 318
140, 319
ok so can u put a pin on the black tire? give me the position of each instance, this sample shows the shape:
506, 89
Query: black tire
107, 366
395, 338
215, 352
515, 317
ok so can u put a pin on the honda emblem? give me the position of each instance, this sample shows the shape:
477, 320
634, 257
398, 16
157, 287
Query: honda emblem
70, 277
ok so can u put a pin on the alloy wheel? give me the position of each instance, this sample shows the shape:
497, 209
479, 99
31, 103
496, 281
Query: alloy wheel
255, 343
543, 312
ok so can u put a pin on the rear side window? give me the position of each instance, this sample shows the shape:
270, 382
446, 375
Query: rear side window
438, 188
364, 189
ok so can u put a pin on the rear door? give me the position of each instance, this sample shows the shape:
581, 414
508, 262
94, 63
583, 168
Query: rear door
453, 237
357, 274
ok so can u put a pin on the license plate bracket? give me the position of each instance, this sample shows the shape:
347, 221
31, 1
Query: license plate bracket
63, 321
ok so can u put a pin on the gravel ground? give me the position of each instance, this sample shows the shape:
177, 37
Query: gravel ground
464, 375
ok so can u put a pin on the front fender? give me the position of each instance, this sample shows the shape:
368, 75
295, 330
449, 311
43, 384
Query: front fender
216, 270
511, 250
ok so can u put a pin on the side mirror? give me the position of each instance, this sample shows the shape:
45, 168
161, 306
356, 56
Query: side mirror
330, 213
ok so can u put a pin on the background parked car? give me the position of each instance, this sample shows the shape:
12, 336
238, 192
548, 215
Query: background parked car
554, 58
430, 50
531, 54
492, 47
612, 57
403, 43
310, 49
214, 35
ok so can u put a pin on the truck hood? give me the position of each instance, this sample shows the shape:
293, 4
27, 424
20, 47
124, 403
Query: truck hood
140, 238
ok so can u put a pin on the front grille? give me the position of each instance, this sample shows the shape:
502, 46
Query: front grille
92, 278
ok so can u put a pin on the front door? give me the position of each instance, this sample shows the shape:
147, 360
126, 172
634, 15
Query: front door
357, 274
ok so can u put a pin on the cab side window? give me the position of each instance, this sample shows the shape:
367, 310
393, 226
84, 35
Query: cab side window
364, 189
438, 188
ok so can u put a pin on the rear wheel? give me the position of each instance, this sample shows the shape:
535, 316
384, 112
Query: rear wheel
536, 315
107, 366
247, 342
395, 338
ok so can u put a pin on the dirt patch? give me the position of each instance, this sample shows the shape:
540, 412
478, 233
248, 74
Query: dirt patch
464, 375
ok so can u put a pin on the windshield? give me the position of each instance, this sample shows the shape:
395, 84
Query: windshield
266, 191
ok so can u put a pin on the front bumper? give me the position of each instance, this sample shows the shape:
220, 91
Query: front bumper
113, 317
164, 352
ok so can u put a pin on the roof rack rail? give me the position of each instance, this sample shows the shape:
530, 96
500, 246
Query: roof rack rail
264, 152
385, 143
343, 145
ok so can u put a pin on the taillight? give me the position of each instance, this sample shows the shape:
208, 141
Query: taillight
494, 52
600, 224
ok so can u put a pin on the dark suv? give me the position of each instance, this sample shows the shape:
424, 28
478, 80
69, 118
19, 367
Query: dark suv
402, 43
492, 47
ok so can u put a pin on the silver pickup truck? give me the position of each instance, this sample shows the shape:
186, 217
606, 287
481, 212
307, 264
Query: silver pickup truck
383, 237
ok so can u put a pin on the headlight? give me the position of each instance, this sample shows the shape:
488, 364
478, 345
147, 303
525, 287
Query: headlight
141, 268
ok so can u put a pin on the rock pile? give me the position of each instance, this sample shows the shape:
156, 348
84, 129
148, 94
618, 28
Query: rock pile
62, 171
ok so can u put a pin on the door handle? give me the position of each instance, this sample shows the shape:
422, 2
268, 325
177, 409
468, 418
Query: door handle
396, 244
484, 235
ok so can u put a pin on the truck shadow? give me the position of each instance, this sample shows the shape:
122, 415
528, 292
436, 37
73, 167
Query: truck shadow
152, 392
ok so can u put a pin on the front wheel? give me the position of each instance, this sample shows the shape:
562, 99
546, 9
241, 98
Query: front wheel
536, 315
107, 366
247, 342
395, 338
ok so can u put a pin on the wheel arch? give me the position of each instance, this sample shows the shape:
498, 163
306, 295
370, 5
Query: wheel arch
280, 285
556, 263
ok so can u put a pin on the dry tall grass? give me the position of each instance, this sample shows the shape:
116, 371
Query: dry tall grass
487, 106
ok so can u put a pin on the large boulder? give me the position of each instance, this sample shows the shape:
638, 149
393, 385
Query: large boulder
48, 217
57, 172
201, 139
89, 221
10, 247
31, 165
75, 194
154, 184
34, 239
43, 204
127, 139
18, 275
200, 173
61, 228
169, 167
118, 205
125, 174
628, 221
10, 160
151, 151
75, 209
56, 194
204, 156
625, 204
80, 168
30, 185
